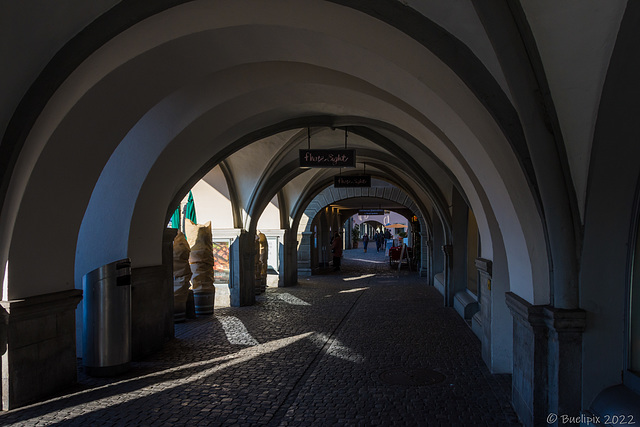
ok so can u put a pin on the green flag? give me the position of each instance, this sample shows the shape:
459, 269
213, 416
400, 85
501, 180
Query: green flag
175, 218
190, 210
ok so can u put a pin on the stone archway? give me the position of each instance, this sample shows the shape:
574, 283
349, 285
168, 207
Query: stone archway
303, 221
139, 140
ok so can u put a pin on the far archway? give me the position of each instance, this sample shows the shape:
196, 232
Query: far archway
303, 219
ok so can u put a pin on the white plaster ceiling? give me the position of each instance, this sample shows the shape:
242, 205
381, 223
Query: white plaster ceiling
268, 155
575, 39
460, 19
249, 164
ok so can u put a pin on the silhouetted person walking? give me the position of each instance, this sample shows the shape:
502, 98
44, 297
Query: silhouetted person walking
378, 239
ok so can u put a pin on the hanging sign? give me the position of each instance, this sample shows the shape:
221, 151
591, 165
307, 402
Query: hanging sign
342, 181
334, 158
371, 212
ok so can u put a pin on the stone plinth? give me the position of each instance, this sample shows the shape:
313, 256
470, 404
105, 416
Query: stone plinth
304, 254
447, 250
482, 326
547, 360
152, 310
529, 379
39, 347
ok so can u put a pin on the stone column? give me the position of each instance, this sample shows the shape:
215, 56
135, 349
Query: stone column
242, 266
485, 267
458, 260
289, 261
152, 299
257, 262
447, 250
38, 346
425, 256
547, 361
565, 360
304, 254
530, 353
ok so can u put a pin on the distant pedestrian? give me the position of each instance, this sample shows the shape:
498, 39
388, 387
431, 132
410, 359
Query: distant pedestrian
378, 239
365, 241
336, 249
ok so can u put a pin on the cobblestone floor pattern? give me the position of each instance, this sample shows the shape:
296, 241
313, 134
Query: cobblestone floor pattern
313, 354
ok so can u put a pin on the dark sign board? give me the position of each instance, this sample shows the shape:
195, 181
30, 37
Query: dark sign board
338, 158
371, 212
352, 181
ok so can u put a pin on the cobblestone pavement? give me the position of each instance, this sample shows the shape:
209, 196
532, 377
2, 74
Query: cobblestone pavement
363, 346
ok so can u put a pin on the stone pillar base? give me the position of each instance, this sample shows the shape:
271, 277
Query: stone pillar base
485, 316
547, 360
304, 254
449, 292
242, 268
152, 310
39, 347
529, 379
565, 359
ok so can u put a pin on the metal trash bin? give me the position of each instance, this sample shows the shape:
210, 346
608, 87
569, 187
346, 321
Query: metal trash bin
106, 330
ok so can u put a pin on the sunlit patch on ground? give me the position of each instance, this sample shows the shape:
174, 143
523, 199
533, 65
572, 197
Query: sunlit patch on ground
235, 331
290, 299
346, 291
364, 276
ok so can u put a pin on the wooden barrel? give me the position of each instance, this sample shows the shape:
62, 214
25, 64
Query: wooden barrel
204, 300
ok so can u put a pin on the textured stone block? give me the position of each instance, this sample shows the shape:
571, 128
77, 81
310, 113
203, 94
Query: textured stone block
151, 317
530, 352
465, 305
438, 282
476, 325
40, 356
31, 331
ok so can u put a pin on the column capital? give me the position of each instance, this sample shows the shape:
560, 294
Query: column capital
484, 266
563, 320
524, 311
24, 308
